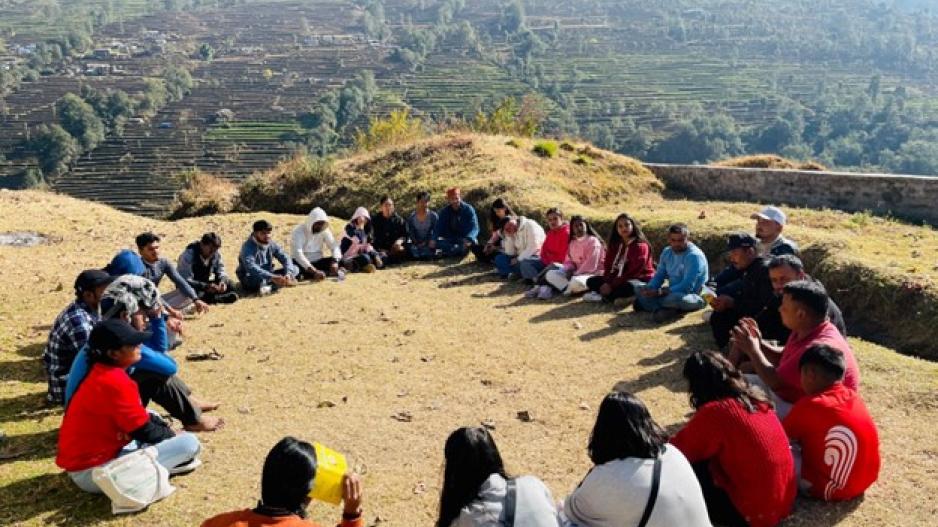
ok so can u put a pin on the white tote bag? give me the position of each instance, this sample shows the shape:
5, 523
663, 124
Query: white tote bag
133, 481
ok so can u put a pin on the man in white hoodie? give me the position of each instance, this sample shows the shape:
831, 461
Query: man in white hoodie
522, 239
311, 240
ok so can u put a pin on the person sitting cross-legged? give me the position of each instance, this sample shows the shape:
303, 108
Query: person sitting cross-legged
736, 445
553, 251
457, 227
585, 253
358, 253
627, 448
835, 439
420, 227
287, 479
156, 267
202, 266
628, 264
136, 300
390, 232
521, 242
310, 241
804, 309
685, 268
754, 294
70, 331
256, 262
106, 413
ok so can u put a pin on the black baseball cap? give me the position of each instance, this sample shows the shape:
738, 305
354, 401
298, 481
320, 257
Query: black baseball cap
262, 225
740, 240
92, 278
113, 333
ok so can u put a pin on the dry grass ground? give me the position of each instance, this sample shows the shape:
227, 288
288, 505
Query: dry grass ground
446, 343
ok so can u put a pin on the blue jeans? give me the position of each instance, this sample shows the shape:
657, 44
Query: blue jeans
170, 453
679, 301
420, 252
504, 267
531, 268
450, 248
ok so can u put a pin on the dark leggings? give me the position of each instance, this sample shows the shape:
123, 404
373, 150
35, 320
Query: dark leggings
623, 291
170, 393
721, 508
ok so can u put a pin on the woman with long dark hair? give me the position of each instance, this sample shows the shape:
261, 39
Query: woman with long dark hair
628, 264
585, 253
498, 211
477, 492
625, 446
738, 447
286, 481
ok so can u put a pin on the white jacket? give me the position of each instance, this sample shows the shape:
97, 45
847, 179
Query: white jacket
534, 506
526, 242
307, 246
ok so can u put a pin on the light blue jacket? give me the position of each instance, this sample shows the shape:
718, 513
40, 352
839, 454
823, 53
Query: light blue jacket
257, 261
685, 272
153, 357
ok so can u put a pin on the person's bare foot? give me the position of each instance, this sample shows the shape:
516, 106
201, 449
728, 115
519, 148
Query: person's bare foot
204, 406
206, 424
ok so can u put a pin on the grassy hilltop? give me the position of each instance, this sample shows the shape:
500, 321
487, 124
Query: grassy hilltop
445, 343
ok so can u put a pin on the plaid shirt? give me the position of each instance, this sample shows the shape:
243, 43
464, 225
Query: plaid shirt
70, 333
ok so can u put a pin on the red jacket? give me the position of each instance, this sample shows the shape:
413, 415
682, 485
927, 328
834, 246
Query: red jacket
632, 261
749, 457
554, 248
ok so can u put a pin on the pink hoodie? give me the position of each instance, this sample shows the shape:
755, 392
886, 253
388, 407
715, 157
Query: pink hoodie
585, 256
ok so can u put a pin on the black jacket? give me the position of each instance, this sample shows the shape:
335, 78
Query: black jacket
755, 291
387, 230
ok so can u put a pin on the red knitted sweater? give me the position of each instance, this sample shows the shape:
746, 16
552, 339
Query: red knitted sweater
749, 457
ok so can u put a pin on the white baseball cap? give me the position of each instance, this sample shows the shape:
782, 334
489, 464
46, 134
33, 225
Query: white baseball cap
771, 213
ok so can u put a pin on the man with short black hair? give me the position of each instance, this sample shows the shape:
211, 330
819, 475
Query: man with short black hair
156, 267
783, 270
71, 330
685, 268
256, 262
457, 227
751, 298
831, 417
202, 267
803, 311
390, 232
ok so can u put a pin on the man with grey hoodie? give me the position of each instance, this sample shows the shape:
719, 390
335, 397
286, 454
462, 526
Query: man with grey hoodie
311, 240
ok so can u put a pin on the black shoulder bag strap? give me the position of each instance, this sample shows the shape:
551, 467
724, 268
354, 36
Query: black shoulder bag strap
511, 498
653, 495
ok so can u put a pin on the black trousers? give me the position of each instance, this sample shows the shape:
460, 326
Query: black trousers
322, 264
722, 323
210, 298
623, 291
170, 393
721, 508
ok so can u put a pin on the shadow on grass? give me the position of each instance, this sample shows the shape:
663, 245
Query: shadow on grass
668, 364
26, 406
32, 351
27, 447
817, 513
53, 496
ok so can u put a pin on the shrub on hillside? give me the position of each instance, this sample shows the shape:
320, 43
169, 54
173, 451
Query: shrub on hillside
770, 161
396, 128
288, 187
203, 194
545, 148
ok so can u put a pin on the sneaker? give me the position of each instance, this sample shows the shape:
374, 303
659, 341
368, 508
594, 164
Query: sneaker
226, 298
265, 290
593, 296
545, 292
568, 292
706, 316
532, 293
665, 314
512, 277
186, 468
370, 268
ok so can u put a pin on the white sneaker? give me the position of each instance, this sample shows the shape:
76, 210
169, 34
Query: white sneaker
532, 293
593, 296
545, 292
706, 316
265, 290
186, 468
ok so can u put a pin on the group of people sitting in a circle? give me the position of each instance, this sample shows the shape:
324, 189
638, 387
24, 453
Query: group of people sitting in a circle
781, 393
